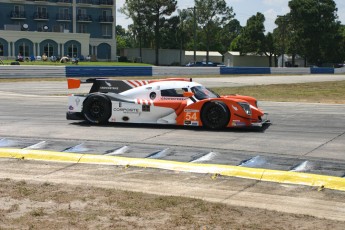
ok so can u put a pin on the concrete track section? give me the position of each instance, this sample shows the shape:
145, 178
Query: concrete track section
297, 199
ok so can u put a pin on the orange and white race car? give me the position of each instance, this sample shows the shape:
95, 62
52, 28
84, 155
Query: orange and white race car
175, 101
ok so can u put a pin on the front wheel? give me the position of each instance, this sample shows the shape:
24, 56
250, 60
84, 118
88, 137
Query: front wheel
97, 109
215, 115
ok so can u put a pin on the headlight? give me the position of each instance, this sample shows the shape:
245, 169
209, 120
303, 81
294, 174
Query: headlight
246, 107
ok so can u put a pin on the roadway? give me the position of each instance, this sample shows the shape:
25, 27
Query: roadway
304, 137
301, 132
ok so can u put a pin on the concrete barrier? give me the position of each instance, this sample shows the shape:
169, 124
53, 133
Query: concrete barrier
290, 70
107, 71
182, 71
339, 70
245, 70
21, 71
18, 71
322, 70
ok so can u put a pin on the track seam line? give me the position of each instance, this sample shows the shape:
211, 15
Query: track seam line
324, 144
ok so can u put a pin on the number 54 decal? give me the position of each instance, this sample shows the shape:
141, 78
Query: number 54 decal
191, 116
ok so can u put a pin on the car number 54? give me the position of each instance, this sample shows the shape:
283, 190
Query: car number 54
191, 116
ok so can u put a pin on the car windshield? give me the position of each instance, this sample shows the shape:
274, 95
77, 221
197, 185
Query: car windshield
201, 92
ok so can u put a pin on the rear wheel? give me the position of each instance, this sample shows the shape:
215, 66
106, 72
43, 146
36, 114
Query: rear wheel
97, 109
215, 115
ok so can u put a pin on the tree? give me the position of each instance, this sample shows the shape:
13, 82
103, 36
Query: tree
122, 39
315, 25
155, 10
252, 39
269, 48
134, 9
228, 34
212, 14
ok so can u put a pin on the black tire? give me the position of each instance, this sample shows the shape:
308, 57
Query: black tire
97, 109
215, 115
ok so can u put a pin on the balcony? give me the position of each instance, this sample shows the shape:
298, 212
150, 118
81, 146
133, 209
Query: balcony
106, 19
63, 17
84, 18
106, 2
18, 15
41, 16
64, 1
85, 2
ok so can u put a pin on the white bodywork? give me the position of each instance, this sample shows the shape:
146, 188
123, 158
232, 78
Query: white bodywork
141, 100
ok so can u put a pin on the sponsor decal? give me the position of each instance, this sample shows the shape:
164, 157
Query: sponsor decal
195, 123
77, 101
126, 110
238, 123
109, 88
192, 111
174, 98
191, 123
146, 108
235, 108
70, 108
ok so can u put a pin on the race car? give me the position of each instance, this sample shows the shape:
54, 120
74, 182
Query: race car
175, 101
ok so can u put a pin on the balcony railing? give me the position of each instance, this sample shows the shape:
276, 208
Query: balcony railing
63, 17
106, 19
18, 15
84, 18
64, 1
106, 2
41, 16
89, 2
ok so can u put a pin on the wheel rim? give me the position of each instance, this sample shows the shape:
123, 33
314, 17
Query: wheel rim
97, 109
214, 115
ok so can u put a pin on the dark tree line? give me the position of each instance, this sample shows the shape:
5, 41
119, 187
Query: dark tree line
311, 30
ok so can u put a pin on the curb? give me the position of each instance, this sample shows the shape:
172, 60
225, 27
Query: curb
286, 177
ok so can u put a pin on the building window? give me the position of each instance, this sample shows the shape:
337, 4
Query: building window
72, 50
106, 30
64, 14
82, 28
1, 49
41, 12
61, 27
49, 49
24, 49
18, 11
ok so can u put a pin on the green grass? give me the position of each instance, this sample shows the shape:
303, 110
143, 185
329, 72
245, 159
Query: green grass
81, 63
316, 92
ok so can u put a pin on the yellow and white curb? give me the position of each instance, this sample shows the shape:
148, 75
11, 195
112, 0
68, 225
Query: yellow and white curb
288, 177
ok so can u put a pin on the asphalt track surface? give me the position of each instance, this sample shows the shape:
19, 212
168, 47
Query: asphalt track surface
304, 137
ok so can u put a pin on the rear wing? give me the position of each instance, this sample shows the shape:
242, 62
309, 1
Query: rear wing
104, 85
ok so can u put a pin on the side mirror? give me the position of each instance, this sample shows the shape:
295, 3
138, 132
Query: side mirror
188, 94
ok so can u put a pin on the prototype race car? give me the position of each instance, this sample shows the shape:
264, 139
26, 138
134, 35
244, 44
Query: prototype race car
175, 101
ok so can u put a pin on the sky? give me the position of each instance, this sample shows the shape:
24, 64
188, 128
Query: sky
243, 9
